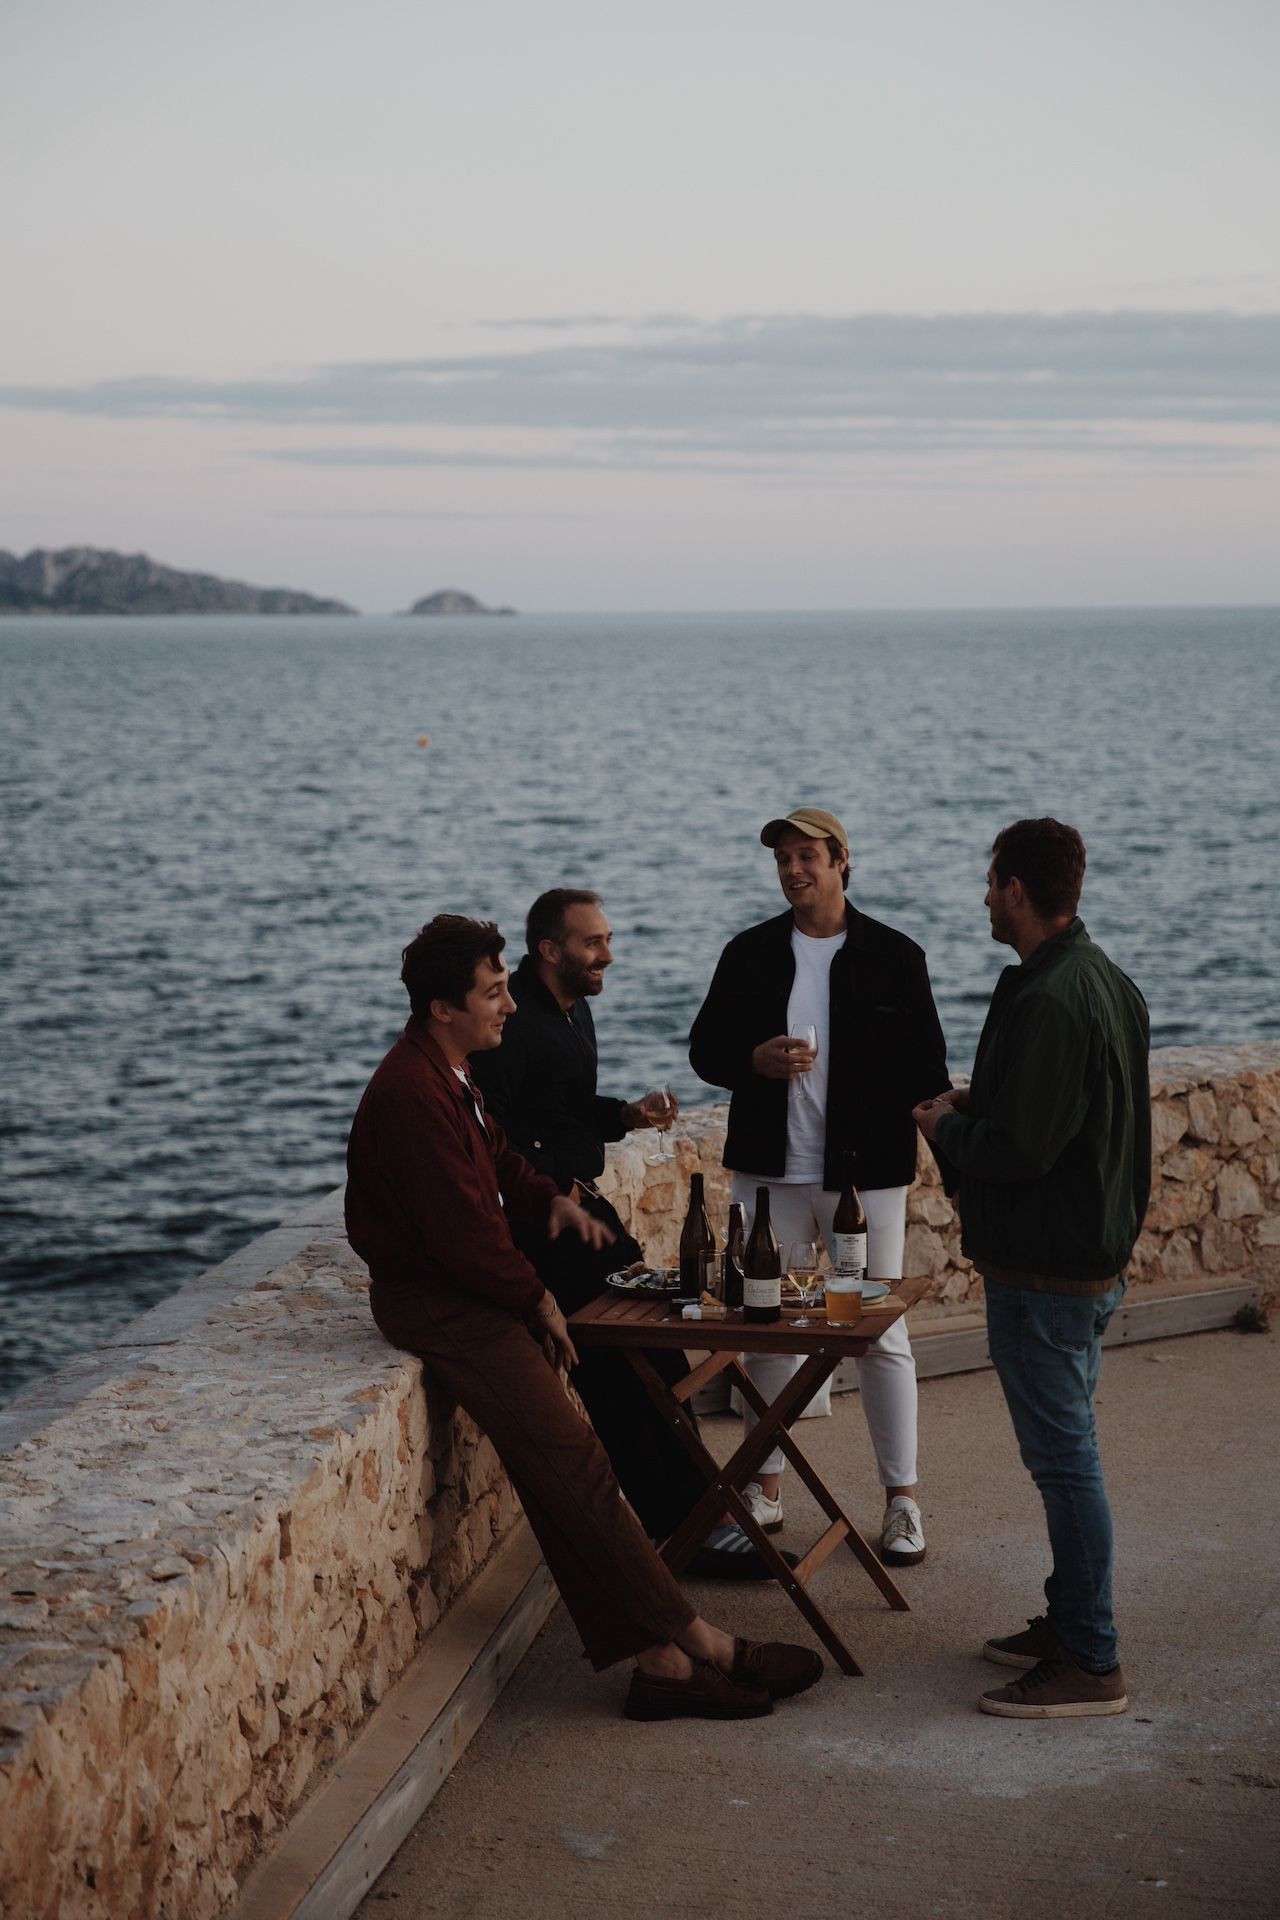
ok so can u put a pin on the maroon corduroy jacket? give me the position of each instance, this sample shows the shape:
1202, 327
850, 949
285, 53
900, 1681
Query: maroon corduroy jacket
424, 1179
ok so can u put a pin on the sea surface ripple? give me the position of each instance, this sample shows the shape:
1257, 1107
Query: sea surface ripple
217, 835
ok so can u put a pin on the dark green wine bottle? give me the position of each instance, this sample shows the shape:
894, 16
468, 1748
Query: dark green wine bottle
762, 1268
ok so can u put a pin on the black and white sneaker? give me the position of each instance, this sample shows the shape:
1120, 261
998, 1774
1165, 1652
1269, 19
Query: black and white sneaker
727, 1554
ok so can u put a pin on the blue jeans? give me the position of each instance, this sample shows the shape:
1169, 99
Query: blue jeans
1046, 1349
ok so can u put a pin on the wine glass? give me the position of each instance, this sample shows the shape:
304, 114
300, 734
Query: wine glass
807, 1034
802, 1265
661, 1112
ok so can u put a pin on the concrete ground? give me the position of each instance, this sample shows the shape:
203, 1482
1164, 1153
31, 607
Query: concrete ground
890, 1794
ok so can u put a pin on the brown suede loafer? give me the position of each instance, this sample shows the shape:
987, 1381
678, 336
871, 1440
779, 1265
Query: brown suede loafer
707, 1694
775, 1665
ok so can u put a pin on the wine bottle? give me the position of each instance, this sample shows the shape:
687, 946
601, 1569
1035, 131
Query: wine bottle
697, 1243
735, 1248
762, 1267
849, 1227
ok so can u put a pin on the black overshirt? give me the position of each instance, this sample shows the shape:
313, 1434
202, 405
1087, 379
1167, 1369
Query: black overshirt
541, 1083
887, 1052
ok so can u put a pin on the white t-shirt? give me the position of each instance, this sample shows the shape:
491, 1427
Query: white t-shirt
479, 1116
461, 1073
810, 1005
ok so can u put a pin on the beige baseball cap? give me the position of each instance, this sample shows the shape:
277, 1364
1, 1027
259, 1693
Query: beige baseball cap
814, 822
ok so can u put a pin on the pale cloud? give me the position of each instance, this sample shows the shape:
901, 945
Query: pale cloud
801, 451
760, 394
1228, 289
427, 514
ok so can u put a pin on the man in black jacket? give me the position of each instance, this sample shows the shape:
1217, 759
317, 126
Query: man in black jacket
540, 1085
541, 1082
797, 1111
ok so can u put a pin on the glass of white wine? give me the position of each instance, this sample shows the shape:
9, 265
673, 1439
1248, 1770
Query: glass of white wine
807, 1034
802, 1265
661, 1116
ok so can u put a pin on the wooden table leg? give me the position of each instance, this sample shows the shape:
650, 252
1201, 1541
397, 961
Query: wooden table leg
694, 1528
700, 1376
722, 1491
690, 1534
857, 1542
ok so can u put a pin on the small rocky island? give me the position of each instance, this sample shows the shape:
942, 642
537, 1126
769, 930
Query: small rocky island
94, 580
450, 600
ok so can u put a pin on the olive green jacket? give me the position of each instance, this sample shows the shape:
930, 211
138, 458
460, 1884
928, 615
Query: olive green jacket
1053, 1155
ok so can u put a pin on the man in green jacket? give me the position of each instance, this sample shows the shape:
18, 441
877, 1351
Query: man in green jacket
1050, 1147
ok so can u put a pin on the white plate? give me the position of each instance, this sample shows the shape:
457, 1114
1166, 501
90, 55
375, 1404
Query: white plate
873, 1290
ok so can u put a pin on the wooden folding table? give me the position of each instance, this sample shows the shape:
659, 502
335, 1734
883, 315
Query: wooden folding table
617, 1319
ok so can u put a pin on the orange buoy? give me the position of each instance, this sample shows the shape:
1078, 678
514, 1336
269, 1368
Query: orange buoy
424, 739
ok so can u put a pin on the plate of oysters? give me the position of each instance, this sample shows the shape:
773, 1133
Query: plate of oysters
646, 1282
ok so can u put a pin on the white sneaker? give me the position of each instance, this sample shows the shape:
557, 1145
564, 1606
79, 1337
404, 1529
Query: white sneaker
767, 1512
901, 1535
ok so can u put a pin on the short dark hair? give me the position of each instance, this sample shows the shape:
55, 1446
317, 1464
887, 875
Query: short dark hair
835, 849
440, 962
1048, 858
546, 916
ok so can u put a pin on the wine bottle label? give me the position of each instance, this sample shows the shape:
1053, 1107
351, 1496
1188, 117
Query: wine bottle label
761, 1293
849, 1253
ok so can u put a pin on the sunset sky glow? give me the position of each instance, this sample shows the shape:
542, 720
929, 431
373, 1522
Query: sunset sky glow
590, 307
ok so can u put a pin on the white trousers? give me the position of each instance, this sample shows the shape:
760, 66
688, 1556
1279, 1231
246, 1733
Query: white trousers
887, 1374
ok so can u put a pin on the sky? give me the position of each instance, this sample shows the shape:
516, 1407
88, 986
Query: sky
592, 306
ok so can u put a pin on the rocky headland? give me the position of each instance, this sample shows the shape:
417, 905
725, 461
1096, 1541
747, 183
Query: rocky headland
95, 580
449, 600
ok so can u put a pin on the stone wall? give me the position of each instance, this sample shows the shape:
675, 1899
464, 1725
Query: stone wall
225, 1534
1215, 1204
213, 1566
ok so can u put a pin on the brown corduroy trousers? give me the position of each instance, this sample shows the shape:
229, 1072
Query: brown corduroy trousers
619, 1593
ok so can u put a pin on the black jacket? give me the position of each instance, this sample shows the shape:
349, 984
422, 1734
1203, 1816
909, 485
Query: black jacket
540, 1084
887, 1049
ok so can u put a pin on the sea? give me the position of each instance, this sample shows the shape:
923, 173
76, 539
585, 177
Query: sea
216, 835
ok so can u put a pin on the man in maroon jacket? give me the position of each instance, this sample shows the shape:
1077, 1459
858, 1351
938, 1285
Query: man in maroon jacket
430, 1186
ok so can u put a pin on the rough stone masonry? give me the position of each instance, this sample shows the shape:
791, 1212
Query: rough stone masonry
214, 1565
228, 1532
1215, 1205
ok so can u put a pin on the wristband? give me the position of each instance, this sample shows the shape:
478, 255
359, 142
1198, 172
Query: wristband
546, 1308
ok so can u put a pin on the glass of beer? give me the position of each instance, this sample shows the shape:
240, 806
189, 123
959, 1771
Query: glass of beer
844, 1299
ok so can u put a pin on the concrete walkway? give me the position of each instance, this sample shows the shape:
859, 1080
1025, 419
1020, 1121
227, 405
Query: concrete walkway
890, 1794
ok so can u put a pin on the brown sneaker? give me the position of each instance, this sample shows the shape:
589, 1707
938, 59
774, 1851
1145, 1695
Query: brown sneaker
1057, 1689
707, 1694
775, 1665
1039, 1642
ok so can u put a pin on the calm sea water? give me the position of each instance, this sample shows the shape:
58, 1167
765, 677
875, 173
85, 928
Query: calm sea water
216, 835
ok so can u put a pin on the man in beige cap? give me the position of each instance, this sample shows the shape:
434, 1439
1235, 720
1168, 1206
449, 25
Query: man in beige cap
798, 1111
